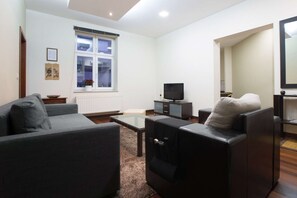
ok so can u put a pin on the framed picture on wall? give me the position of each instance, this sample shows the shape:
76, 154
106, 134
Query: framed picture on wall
52, 54
52, 71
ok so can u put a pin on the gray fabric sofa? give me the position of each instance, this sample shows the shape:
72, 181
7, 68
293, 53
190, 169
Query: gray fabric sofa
72, 158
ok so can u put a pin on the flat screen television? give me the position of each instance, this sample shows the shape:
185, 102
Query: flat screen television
174, 91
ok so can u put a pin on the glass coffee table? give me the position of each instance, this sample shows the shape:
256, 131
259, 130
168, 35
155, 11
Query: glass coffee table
134, 122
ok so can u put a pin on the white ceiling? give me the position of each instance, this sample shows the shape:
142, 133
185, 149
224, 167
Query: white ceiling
112, 9
141, 19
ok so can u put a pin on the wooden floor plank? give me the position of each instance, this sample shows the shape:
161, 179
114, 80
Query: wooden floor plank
287, 184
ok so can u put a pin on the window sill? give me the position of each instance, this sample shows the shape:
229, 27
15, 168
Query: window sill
94, 91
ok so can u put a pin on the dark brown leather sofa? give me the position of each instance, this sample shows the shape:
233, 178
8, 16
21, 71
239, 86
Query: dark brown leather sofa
185, 159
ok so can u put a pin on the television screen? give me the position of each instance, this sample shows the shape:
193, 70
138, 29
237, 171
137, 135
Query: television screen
174, 91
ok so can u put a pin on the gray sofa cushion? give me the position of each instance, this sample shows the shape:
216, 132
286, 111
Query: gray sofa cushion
69, 121
4, 119
38, 96
61, 109
28, 115
5, 122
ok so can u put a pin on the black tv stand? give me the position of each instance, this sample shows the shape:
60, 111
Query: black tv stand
178, 109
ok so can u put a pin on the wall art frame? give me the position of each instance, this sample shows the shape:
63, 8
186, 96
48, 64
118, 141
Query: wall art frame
52, 54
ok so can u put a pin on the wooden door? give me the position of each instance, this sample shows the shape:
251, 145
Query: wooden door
22, 65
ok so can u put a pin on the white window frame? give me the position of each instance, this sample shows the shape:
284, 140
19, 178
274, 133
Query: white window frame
96, 55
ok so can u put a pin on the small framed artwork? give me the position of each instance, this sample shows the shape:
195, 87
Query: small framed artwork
52, 54
52, 71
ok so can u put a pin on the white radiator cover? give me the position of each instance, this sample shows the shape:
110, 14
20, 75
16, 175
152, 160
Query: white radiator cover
98, 103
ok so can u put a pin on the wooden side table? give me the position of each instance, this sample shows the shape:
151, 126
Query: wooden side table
54, 100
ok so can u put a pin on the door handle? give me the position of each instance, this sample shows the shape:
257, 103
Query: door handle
159, 142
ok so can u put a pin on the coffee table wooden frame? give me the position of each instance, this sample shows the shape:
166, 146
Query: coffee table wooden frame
136, 129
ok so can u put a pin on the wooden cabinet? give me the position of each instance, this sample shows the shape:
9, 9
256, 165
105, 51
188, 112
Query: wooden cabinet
181, 110
54, 100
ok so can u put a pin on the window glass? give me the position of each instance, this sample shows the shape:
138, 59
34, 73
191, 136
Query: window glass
95, 60
84, 70
104, 72
104, 46
84, 43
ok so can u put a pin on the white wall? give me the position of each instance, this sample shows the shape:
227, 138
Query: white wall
12, 16
190, 54
136, 60
228, 69
252, 69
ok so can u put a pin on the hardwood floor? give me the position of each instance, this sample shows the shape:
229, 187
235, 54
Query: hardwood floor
287, 184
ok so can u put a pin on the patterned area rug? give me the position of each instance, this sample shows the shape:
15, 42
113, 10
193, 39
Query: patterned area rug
290, 144
133, 183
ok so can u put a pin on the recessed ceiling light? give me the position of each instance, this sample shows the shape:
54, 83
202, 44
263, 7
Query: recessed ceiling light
164, 13
110, 14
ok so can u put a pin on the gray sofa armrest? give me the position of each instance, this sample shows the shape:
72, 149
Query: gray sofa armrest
83, 162
61, 109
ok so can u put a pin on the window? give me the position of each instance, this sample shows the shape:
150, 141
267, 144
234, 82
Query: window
95, 59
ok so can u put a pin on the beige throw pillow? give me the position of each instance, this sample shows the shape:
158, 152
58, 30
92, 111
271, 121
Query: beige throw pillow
226, 110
